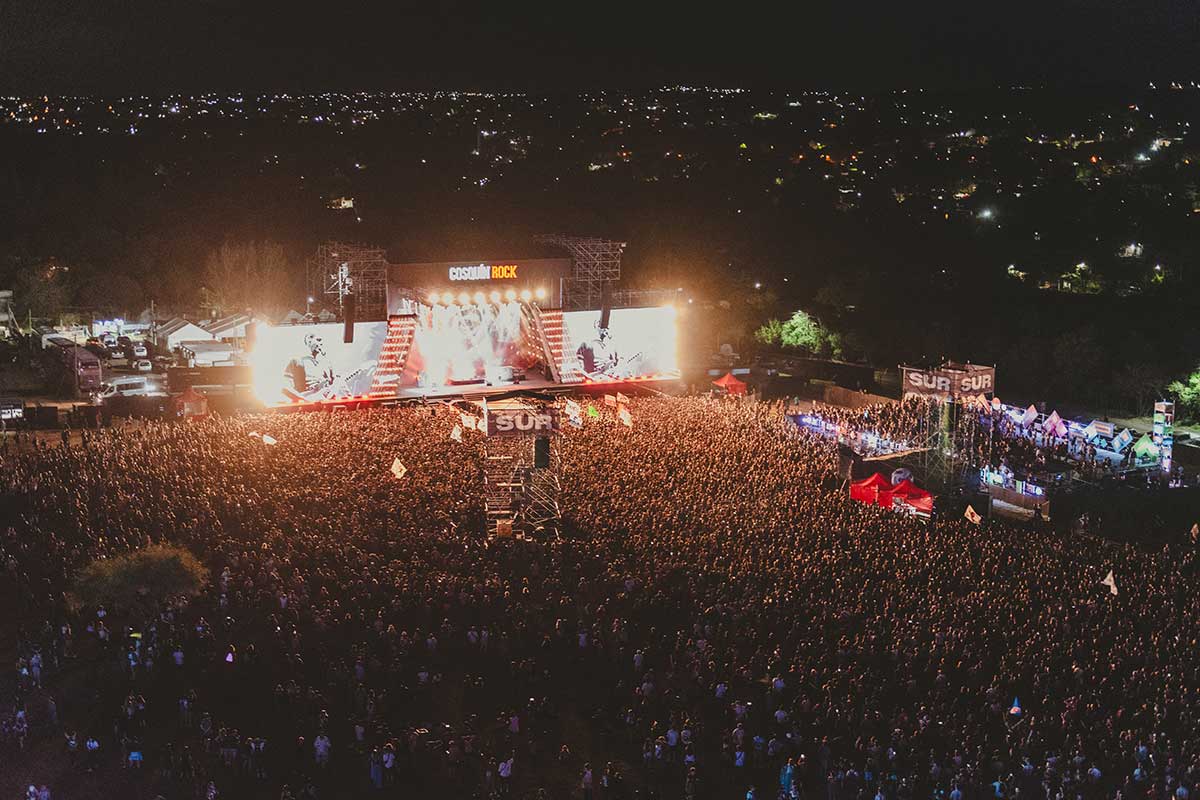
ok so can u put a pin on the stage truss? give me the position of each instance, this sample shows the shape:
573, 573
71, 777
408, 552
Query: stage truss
597, 263
342, 268
520, 500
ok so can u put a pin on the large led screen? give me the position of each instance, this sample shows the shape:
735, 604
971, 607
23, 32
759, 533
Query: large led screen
310, 363
467, 343
636, 343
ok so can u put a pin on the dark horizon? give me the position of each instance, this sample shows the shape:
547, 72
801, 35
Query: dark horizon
160, 48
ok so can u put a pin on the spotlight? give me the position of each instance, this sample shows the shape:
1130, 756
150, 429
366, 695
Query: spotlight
463, 298
433, 298
526, 295
540, 293
495, 297
478, 298
510, 295
447, 298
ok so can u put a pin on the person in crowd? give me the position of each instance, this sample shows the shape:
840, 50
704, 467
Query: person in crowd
712, 599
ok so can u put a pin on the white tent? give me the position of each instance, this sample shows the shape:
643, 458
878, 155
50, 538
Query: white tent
231, 328
169, 336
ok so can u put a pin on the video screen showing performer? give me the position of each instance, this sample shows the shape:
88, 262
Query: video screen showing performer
310, 363
635, 342
464, 343
599, 359
314, 376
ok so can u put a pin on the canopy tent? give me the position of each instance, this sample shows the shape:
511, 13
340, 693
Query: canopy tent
913, 496
731, 384
1054, 425
872, 490
191, 404
1145, 448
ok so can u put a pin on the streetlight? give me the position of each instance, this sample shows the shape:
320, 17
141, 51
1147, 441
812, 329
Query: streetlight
308, 307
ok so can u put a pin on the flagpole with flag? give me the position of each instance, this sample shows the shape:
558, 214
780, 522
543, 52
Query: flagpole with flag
1111, 582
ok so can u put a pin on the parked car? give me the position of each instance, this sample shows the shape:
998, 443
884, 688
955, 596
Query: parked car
129, 386
143, 365
139, 350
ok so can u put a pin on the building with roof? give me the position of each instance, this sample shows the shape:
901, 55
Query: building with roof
169, 335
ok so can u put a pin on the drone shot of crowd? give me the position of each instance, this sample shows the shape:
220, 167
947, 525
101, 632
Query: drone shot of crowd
529, 403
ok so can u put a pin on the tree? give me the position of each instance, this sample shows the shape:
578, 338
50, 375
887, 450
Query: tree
804, 333
1079, 360
252, 275
138, 581
769, 333
1187, 394
41, 289
1138, 385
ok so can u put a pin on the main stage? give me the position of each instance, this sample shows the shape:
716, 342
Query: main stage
481, 391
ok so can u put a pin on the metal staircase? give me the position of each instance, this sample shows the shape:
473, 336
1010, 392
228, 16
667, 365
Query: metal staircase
393, 355
560, 348
533, 319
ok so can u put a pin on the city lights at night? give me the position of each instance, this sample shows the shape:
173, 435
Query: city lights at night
561, 402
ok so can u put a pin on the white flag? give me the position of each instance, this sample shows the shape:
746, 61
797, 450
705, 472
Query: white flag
398, 469
574, 409
1110, 582
626, 419
456, 434
610, 400
255, 435
973, 515
468, 422
622, 398
1031, 414
269, 439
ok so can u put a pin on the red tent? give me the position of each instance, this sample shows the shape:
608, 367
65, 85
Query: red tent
912, 495
191, 404
872, 490
731, 384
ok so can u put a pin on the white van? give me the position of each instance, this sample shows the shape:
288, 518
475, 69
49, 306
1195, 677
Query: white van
129, 386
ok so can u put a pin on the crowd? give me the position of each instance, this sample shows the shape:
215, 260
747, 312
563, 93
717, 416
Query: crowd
880, 427
717, 622
984, 438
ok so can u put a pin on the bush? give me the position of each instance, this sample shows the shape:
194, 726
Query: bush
770, 333
139, 581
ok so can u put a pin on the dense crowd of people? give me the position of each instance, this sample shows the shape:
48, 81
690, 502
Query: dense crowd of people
984, 437
718, 621
880, 427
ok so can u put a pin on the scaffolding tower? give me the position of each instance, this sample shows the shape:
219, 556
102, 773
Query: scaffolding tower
597, 262
520, 499
342, 268
946, 456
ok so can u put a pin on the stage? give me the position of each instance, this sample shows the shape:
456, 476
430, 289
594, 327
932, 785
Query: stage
480, 391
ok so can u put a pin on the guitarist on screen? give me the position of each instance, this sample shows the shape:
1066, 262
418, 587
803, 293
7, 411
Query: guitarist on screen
314, 376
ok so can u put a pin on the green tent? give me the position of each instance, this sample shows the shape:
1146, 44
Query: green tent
1145, 448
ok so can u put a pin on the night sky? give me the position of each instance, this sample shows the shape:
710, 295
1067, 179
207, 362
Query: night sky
124, 46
